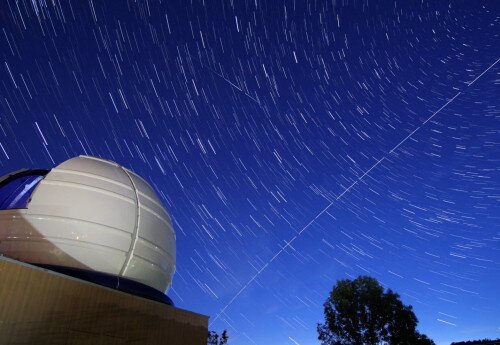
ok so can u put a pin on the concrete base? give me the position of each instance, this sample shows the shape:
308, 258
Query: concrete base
38, 306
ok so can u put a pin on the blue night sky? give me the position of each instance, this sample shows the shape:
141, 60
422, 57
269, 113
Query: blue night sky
294, 143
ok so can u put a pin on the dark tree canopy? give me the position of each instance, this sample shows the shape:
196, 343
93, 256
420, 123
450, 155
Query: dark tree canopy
359, 312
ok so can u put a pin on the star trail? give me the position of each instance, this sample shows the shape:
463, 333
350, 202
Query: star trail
294, 143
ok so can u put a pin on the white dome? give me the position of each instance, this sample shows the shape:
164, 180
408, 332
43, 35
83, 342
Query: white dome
92, 214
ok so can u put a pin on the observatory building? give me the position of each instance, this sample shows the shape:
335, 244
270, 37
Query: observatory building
88, 253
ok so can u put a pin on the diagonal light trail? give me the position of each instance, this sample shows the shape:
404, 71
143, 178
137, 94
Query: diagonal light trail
346, 190
222, 77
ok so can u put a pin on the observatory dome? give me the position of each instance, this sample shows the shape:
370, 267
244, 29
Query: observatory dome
88, 214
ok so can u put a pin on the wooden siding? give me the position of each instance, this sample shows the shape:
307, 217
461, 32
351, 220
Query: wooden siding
43, 307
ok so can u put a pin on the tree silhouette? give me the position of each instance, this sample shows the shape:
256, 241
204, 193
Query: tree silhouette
213, 338
478, 342
359, 312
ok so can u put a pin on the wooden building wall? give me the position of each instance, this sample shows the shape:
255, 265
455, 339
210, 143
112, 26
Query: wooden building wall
42, 307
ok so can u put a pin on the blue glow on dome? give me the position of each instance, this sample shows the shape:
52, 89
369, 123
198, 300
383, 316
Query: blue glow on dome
16, 190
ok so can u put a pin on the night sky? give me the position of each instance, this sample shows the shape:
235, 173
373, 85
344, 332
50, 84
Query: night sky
293, 142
